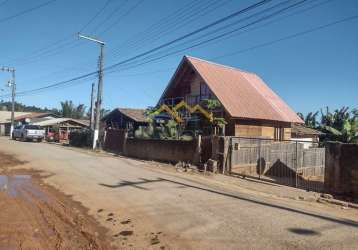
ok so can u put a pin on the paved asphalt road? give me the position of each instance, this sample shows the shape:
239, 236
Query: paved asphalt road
185, 213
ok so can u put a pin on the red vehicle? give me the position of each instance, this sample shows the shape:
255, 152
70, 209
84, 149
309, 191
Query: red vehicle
57, 135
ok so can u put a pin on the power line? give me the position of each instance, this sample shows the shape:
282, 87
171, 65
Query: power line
164, 20
179, 22
55, 48
95, 16
298, 12
253, 6
261, 45
26, 11
121, 17
232, 24
208, 40
221, 20
86, 77
3, 2
42, 49
50, 52
241, 51
121, 6
278, 19
58, 47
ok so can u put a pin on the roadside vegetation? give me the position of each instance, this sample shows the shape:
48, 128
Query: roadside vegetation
340, 125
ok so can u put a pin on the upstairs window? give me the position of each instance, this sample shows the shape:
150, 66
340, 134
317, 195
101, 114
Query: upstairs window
204, 91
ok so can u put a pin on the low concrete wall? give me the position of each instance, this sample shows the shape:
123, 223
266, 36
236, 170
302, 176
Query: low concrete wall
341, 172
116, 140
162, 150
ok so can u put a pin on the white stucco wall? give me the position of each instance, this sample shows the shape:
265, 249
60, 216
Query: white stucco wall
307, 142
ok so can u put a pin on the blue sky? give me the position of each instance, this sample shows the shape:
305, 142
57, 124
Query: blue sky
310, 71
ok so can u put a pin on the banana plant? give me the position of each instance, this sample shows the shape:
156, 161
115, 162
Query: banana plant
340, 125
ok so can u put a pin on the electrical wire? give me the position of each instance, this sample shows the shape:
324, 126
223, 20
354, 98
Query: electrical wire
95, 16
186, 43
261, 45
170, 25
58, 46
3, 2
221, 20
215, 23
5, 19
120, 7
241, 51
121, 17
163, 21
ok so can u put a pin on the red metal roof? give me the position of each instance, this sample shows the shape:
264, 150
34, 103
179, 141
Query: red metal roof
243, 94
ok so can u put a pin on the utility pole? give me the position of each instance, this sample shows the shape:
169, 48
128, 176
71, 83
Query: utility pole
92, 108
12, 84
100, 88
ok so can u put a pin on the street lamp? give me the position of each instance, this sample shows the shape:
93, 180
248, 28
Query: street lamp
100, 88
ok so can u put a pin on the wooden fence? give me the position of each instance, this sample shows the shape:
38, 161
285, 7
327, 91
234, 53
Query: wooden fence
285, 162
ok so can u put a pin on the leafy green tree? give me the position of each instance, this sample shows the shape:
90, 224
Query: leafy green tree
68, 109
19, 107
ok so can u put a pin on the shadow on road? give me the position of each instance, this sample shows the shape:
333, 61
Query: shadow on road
142, 181
303, 231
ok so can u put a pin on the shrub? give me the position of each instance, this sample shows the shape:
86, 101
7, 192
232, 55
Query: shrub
81, 138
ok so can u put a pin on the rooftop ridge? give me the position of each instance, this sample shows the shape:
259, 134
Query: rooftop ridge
219, 64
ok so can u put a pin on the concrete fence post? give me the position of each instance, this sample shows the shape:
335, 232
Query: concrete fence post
226, 142
197, 157
125, 142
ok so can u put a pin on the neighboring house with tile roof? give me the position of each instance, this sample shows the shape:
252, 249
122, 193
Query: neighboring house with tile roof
20, 117
125, 118
5, 121
249, 106
36, 115
61, 127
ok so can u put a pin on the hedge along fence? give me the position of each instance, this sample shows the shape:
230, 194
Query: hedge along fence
81, 138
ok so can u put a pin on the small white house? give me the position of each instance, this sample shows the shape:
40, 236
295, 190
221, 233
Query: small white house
307, 136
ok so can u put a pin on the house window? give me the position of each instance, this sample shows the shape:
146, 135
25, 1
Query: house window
204, 91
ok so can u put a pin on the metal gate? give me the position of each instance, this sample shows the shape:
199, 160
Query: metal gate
294, 163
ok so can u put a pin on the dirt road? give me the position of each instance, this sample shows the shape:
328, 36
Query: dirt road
35, 216
144, 208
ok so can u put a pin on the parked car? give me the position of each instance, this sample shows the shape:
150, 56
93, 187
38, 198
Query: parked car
28, 132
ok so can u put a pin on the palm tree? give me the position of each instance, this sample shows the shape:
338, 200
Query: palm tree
310, 119
68, 109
